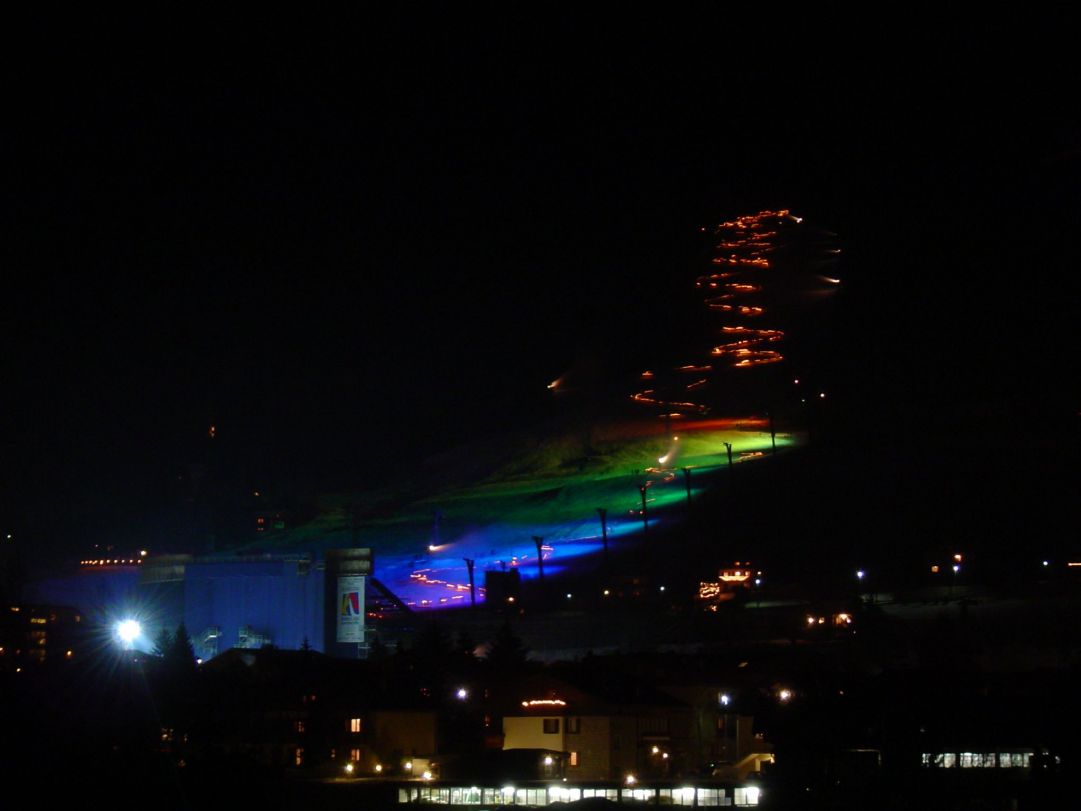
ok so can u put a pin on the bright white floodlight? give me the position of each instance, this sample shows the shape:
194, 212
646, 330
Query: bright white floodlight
128, 631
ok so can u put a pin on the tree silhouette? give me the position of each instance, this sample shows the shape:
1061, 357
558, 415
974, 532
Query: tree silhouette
464, 644
163, 641
433, 643
507, 651
179, 655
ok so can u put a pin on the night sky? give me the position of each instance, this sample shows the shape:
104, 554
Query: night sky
348, 242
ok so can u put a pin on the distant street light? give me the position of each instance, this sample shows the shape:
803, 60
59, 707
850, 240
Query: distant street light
860, 575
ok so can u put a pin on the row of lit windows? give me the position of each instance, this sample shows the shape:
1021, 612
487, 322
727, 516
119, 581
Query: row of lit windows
509, 795
355, 725
42, 620
977, 760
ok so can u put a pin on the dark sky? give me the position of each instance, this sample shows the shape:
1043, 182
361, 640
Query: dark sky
331, 237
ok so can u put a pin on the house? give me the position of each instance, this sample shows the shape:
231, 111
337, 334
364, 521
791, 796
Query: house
606, 733
307, 709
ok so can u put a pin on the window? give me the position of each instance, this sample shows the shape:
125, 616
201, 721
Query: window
354, 755
574, 725
551, 726
354, 725
573, 760
300, 756
300, 726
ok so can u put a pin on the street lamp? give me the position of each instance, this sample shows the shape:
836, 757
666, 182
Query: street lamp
860, 575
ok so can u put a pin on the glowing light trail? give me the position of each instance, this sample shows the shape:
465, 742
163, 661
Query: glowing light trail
739, 288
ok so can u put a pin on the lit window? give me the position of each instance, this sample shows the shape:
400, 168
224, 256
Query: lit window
300, 726
551, 726
354, 725
573, 760
300, 756
354, 755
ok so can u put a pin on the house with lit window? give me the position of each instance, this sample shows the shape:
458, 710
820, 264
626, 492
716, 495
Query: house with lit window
606, 733
306, 709
726, 742
33, 635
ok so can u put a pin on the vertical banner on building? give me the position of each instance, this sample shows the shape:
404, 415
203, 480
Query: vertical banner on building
351, 608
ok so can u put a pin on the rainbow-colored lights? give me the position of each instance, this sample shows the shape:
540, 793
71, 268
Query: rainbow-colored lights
422, 545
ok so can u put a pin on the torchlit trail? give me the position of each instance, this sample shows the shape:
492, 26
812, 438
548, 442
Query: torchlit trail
568, 508
740, 288
755, 265
759, 263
